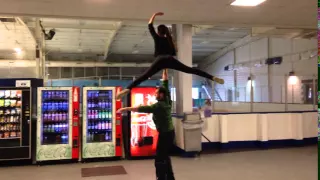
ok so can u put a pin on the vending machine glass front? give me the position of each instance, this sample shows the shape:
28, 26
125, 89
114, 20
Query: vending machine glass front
10, 116
99, 116
55, 117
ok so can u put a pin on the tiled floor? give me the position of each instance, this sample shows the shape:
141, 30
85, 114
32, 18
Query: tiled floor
280, 164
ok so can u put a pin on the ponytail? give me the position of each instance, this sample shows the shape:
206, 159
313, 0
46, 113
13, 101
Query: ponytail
170, 39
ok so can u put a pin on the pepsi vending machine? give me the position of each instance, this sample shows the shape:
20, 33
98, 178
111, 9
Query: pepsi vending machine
101, 125
58, 124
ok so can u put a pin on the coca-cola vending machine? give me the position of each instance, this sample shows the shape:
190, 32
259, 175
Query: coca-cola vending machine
101, 124
143, 134
58, 124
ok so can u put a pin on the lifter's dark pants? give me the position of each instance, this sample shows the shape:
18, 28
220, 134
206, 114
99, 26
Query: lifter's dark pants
163, 162
167, 62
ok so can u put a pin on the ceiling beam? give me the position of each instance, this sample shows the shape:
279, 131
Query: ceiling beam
74, 26
61, 63
18, 19
109, 41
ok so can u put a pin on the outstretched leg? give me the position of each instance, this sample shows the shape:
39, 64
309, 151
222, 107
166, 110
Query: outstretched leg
156, 66
177, 65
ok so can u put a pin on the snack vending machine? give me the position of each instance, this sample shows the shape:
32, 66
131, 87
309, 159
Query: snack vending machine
143, 134
101, 125
15, 123
58, 124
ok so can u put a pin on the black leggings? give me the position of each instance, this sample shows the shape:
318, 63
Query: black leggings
163, 164
167, 62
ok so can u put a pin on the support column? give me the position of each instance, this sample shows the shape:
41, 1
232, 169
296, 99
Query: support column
183, 81
38, 48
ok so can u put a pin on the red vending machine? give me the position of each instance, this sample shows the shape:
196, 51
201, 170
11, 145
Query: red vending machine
101, 124
58, 124
143, 133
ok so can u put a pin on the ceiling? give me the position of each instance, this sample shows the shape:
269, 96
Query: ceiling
284, 13
14, 34
95, 40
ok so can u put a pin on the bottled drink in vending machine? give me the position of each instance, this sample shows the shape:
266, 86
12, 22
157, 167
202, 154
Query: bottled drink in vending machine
64, 95
45, 95
109, 115
100, 104
95, 114
99, 115
49, 94
65, 105
64, 116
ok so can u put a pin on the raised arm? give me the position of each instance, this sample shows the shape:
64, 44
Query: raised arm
165, 83
150, 25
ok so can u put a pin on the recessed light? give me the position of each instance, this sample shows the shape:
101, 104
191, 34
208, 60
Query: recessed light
247, 2
135, 52
205, 42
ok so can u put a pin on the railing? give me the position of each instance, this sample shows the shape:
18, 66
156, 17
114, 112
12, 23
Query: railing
247, 96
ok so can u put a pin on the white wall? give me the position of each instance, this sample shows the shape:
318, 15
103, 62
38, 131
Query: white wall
218, 70
22, 72
262, 49
226, 128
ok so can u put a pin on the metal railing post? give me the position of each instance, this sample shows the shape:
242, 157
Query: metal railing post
286, 93
314, 92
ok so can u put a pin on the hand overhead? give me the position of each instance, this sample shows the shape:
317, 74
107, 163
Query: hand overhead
154, 15
165, 74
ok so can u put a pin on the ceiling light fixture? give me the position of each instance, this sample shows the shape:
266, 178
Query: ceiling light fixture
247, 2
18, 50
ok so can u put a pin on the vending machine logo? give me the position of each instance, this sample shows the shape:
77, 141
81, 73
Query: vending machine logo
75, 95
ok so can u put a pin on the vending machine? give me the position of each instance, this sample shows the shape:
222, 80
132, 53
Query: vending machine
17, 109
58, 124
101, 125
15, 123
143, 134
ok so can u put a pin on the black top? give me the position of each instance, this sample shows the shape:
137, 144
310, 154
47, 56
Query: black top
162, 45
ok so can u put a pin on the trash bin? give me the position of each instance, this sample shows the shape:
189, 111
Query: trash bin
192, 130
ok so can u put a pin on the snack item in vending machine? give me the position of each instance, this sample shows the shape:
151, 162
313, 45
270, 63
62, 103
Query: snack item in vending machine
1, 102
13, 134
18, 134
13, 94
1, 135
13, 112
2, 93
6, 135
7, 112
13, 103
18, 111
7, 102
1, 112
19, 93
19, 103
7, 93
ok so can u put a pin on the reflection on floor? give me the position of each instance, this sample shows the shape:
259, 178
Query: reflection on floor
278, 164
